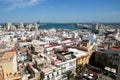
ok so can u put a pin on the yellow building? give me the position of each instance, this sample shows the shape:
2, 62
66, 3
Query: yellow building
8, 63
82, 60
85, 50
82, 57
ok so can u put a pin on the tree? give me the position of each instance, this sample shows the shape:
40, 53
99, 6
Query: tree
42, 75
69, 75
86, 67
115, 60
79, 69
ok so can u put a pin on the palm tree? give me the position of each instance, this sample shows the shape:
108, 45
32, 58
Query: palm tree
87, 67
79, 69
69, 75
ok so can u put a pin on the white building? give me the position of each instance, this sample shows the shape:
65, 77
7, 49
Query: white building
117, 36
91, 37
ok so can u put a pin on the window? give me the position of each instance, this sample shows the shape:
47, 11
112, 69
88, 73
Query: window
57, 73
48, 77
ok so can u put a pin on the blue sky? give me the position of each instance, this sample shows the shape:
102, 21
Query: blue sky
60, 10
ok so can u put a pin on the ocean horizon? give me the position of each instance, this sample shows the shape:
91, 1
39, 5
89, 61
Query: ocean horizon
70, 26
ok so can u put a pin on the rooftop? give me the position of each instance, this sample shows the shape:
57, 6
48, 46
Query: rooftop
77, 52
48, 68
15, 76
58, 61
8, 56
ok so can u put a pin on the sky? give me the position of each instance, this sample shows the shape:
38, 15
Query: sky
59, 11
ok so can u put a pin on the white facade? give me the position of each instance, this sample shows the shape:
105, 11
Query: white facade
57, 74
14, 62
67, 65
53, 75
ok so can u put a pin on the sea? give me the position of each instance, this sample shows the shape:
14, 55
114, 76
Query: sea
70, 26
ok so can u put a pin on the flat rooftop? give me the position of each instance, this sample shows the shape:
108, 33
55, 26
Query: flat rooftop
49, 69
77, 52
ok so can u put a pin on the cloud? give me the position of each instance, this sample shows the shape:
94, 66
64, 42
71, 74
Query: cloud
14, 4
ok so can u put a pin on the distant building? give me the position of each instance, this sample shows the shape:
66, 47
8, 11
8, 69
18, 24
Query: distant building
32, 27
9, 27
97, 26
21, 25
